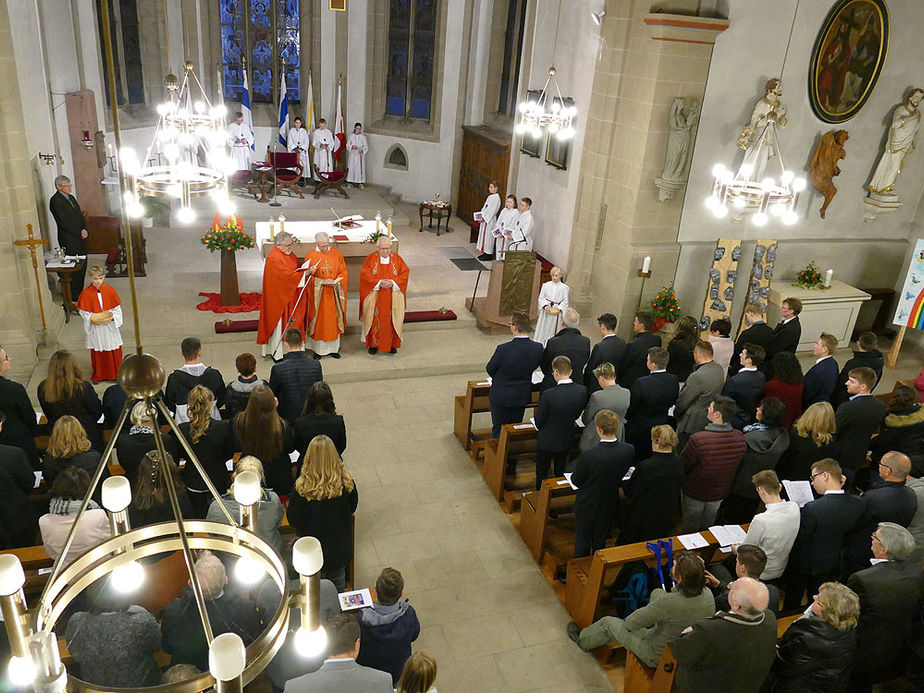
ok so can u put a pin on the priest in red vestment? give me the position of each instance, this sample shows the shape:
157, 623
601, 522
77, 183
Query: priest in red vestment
281, 277
101, 310
382, 298
326, 296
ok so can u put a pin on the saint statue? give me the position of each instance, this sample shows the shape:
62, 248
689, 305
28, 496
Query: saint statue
680, 122
899, 142
755, 137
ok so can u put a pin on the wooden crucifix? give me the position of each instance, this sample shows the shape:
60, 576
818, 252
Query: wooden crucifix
32, 242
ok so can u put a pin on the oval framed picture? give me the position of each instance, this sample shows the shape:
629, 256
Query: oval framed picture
847, 58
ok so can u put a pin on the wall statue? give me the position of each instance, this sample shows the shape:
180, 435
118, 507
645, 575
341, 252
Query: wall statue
824, 165
900, 140
755, 137
681, 120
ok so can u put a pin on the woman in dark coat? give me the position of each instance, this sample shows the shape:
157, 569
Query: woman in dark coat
70, 447
150, 502
654, 490
137, 440
319, 417
65, 391
903, 430
811, 439
816, 652
680, 348
261, 432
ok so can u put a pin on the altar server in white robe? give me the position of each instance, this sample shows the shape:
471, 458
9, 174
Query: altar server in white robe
298, 140
325, 144
505, 225
240, 137
522, 236
488, 218
553, 302
357, 146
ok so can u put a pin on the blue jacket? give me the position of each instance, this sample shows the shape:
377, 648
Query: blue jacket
819, 383
511, 369
386, 634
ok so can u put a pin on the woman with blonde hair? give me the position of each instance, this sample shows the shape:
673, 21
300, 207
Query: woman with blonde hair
261, 432
269, 513
812, 439
150, 501
137, 440
64, 391
419, 674
213, 445
322, 506
69, 447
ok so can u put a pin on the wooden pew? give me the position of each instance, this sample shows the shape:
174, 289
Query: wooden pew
475, 401
535, 511
515, 439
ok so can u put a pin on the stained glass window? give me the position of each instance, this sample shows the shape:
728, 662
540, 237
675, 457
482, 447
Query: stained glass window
513, 47
411, 48
264, 32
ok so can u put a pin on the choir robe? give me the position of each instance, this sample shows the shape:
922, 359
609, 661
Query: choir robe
323, 158
489, 211
280, 294
299, 140
547, 325
523, 233
103, 341
241, 139
357, 146
382, 310
506, 223
326, 303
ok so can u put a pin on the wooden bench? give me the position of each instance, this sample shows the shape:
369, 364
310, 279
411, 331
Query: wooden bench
515, 440
535, 513
475, 401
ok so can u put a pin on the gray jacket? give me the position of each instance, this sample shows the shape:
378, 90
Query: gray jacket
702, 387
614, 398
336, 676
664, 618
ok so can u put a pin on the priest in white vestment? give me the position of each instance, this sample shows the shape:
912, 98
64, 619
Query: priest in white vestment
357, 146
553, 302
298, 140
241, 139
325, 144
505, 225
522, 236
487, 217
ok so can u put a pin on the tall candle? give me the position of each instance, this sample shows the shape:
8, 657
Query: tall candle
828, 275
282, 223
389, 227
272, 224
646, 264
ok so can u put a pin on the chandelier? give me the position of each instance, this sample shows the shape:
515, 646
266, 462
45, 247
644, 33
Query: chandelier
184, 127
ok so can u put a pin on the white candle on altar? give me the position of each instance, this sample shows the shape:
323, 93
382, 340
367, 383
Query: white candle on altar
828, 275
282, 223
646, 264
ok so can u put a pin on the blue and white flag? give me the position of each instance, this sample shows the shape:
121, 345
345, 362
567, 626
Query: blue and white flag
245, 108
283, 112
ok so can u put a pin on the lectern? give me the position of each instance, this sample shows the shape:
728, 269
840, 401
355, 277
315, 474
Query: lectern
513, 286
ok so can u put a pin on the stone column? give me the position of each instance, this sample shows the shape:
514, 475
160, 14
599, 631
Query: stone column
648, 60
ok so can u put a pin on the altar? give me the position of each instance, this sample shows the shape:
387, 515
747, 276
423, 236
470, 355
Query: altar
833, 310
350, 242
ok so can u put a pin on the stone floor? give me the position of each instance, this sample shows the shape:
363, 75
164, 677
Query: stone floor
487, 613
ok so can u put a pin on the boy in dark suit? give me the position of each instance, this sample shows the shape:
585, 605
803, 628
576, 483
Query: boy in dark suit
635, 363
866, 354
788, 330
650, 399
857, 420
759, 334
610, 349
558, 408
747, 385
819, 383
511, 369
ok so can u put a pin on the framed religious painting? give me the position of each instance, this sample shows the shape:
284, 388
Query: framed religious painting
530, 145
556, 151
847, 59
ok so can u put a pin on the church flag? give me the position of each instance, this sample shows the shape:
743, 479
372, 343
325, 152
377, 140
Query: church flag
245, 107
338, 126
309, 113
283, 111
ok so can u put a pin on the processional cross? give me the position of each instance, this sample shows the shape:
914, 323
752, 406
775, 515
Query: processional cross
32, 242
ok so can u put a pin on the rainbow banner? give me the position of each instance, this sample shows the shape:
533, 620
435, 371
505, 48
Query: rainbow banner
910, 309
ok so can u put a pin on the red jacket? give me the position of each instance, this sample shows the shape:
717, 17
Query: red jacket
712, 459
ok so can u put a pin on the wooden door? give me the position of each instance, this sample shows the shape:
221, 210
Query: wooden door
485, 157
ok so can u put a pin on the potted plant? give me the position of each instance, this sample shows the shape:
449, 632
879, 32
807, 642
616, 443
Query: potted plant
810, 277
665, 307
154, 209
228, 237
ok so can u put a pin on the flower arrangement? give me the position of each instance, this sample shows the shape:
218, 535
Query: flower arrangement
665, 304
810, 277
228, 236
375, 236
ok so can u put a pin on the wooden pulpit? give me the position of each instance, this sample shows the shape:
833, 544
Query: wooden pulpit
513, 286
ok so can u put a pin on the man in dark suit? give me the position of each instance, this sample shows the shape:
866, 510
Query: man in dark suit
17, 522
292, 378
649, 401
890, 595
816, 554
20, 425
866, 354
819, 383
858, 419
558, 408
568, 342
511, 369
747, 385
788, 330
759, 334
610, 349
598, 474
701, 388
72, 228
635, 362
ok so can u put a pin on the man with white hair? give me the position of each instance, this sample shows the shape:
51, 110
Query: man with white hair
181, 627
72, 228
383, 298
890, 592
326, 272
735, 647
281, 277
568, 342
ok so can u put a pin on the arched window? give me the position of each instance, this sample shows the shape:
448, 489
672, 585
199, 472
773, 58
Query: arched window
411, 49
396, 158
263, 32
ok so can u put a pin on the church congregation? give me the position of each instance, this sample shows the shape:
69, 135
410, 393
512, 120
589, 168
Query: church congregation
470, 345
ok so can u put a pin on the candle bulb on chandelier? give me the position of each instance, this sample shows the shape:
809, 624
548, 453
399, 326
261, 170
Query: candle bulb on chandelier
828, 275
646, 264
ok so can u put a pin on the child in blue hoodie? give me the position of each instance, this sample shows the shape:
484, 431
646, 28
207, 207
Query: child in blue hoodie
388, 628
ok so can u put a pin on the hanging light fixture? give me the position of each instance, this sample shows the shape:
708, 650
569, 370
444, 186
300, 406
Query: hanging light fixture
752, 187
545, 109
183, 127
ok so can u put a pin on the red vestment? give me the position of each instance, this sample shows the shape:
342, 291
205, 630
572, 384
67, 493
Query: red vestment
280, 291
104, 341
382, 310
326, 303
